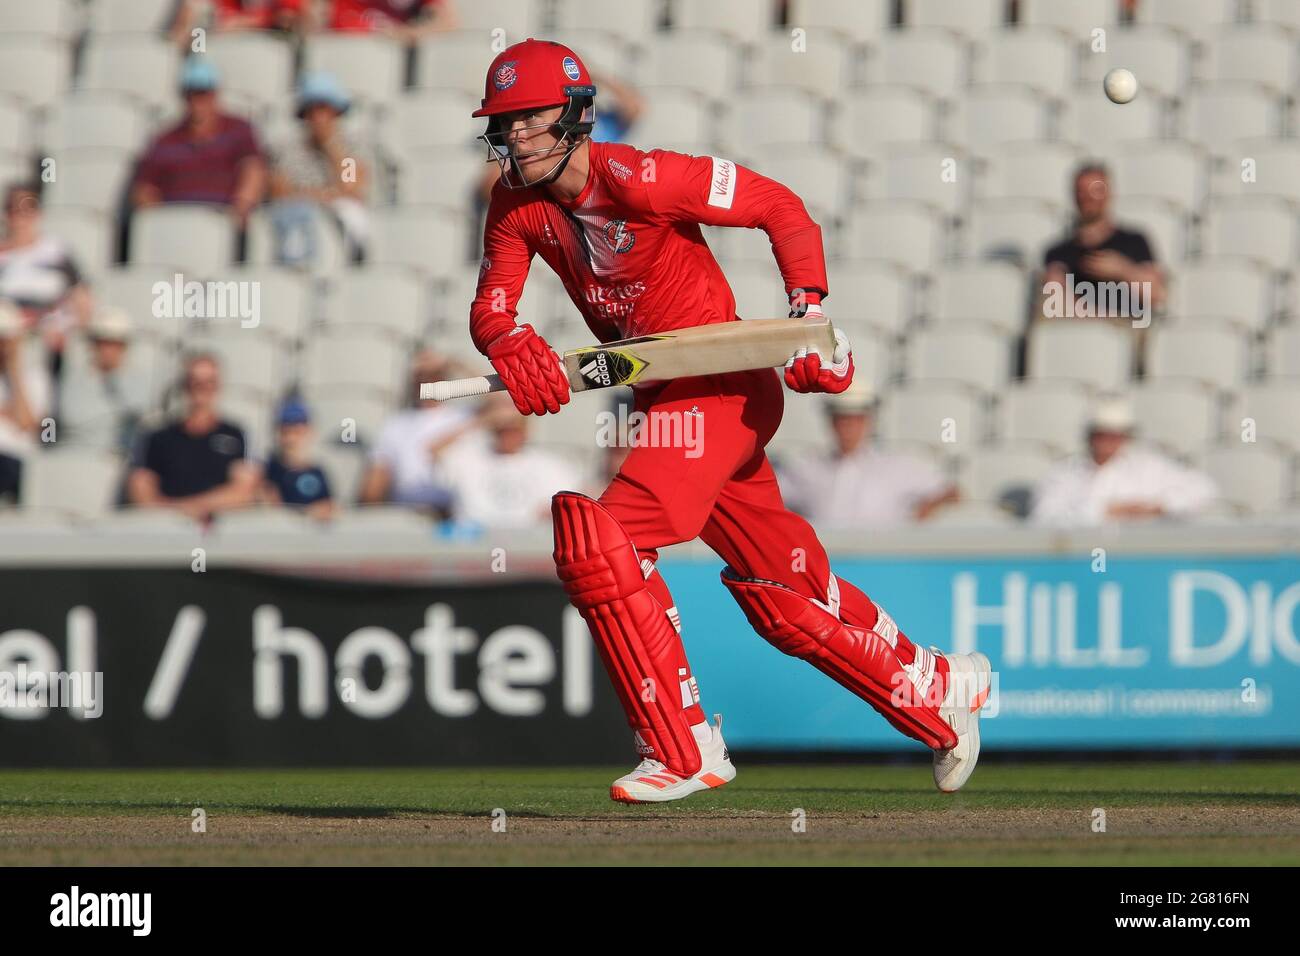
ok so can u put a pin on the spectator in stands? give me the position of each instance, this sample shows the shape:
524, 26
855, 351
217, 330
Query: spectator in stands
24, 399
101, 407
1118, 480
38, 273
208, 157
197, 464
409, 21
498, 480
405, 466
232, 16
291, 477
1097, 252
323, 169
859, 485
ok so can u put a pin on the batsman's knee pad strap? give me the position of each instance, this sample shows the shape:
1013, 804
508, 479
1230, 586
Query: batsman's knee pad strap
857, 658
598, 565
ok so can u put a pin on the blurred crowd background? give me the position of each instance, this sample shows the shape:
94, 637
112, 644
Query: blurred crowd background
312, 165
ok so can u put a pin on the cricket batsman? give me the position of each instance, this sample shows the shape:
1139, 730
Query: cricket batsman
621, 228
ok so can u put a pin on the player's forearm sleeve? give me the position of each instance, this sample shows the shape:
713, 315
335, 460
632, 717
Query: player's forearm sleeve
718, 192
506, 257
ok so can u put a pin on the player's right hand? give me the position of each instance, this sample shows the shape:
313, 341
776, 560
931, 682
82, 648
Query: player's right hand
530, 370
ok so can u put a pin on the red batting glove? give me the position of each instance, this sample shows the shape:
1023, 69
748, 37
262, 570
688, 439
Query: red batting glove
530, 370
808, 372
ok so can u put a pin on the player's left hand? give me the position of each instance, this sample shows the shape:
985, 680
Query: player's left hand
808, 371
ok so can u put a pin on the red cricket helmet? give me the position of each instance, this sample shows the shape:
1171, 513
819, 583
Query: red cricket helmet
531, 74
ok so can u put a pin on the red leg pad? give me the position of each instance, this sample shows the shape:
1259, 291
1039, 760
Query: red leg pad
856, 658
602, 575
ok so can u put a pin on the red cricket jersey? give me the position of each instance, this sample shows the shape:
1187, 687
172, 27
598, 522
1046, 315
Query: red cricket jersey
629, 249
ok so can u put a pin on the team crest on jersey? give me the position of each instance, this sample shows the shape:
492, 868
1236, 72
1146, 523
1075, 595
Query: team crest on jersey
571, 68
619, 236
505, 76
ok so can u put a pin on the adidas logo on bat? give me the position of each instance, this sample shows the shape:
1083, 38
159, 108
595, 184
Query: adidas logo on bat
597, 370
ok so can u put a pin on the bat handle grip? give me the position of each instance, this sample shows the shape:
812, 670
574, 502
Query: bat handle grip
460, 387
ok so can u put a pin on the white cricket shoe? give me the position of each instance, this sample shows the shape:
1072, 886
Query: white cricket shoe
651, 782
969, 677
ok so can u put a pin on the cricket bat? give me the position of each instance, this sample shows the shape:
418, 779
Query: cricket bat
699, 350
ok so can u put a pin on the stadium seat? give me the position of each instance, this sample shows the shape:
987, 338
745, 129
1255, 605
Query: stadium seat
991, 115
1197, 18
937, 174
865, 124
820, 67
518, 20
759, 291
1078, 18
1180, 417
1164, 56
421, 121
1256, 53
34, 68
131, 16
1005, 473
1164, 169
933, 61
340, 411
1283, 13
15, 130
95, 120
908, 234
71, 480
1252, 478
1282, 352
148, 361
357, 358
344, 467
1041, 171
632, 21
863, 21
90, 177
877, 294
1051, 413
263, 248
706, 63
982, 292
137, 65
1092, 353
971, 355
198, 238
821, 178
251, 361
371, 67
457, 60
1218, 115
1236, 289
1273, 408
1020, 229
131, 287
1042, 60
446, 176
429, 239
88, 233
1094, 124
973, 19
1261, 228
55, 19
754, 120
676, 116
256, 66
1271, 170
738, 19
971, 514
931, 413
387, 297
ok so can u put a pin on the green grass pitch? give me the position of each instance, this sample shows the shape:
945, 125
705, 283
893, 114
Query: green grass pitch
1183, 814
